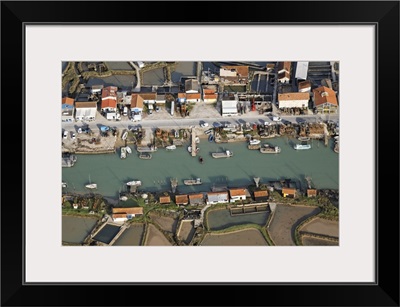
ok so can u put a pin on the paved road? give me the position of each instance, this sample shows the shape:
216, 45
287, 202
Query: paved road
169, 121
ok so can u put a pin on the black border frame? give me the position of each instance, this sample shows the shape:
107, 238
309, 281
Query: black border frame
383, 14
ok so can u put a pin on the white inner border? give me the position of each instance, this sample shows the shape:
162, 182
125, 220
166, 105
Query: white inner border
48, 261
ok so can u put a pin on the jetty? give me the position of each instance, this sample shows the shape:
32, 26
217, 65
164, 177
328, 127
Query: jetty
194, 151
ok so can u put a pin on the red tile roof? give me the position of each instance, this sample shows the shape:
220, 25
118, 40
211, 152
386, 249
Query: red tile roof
237, 192
311, 192
193, 96
136, 101
323, 95
195, 196
67, 100
132, 210
181, 199
294, 96
165, 199
290, 191
243, 71
181, 95
108, 103
85, 104
260, 193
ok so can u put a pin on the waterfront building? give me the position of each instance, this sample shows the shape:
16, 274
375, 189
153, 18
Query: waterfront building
124, 214
261, 195
196, 199
293, 100
229, 105
289, 192
325, 100
85, 110
67, 109
181, 199
165, 199
217, 198
237, 194
311, 192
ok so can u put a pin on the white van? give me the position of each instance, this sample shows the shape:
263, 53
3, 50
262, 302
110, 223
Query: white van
125, 113
276, 118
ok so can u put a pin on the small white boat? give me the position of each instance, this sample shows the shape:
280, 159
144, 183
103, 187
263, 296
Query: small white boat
123, 198
197, 140
303, 138
125, 135
123, 152
128, 149
170, 147
134, 183
270, 149
254, 142
63, 184
302, 146
91, 185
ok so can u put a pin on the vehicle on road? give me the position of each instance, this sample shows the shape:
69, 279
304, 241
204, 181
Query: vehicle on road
276, 119
204, 124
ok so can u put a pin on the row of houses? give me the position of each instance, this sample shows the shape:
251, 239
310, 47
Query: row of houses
210, 198
110, 101
323, 98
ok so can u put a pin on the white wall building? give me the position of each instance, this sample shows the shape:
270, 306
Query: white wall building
217, 198
293, 100
85, 110
237, 194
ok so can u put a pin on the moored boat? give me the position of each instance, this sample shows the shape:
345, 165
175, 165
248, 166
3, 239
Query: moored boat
64, 184
211, 138
128, 149
134, 183
197, 140
190, 149
170, 147
303, 138
192, 181
91, 186
123, 152
225, 154
254, 142
270, 149
302, 146
151, 148
145, 156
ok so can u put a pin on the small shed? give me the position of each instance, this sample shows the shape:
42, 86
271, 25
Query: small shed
165, 199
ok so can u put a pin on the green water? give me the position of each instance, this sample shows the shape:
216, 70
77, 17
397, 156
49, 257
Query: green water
111, 173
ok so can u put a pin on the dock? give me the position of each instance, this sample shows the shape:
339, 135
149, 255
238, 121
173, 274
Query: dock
194, 151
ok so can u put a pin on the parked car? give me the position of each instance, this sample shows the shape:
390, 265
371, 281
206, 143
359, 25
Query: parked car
204, 125
73, 136
276, 118
65, 135
157, 109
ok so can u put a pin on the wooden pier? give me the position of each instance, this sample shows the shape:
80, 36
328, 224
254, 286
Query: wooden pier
194, 149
